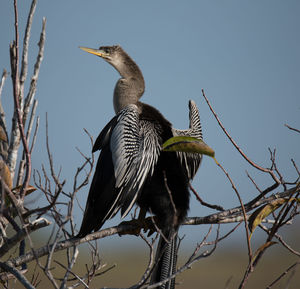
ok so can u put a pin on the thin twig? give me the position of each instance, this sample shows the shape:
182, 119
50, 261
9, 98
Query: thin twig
69, 268
17, 204
32, 89
295, 166
126, 227
63, 284
31, 120
3, 78
236, 146
253, 182
47, 268
215, 207
28, 133
280, 239
21, 234
170, 194
35, 133
2, 113
18, 111
8, 268
50, 158
283, 274
194, 258
24, 64
279, 221
291, 128
243, 211
14, 62
151, 263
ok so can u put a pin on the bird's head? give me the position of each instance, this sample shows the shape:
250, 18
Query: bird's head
130, 87
112, 54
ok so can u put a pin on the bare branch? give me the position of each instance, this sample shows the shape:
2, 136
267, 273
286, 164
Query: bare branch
35, 133
151, 263
63, 284
215, 207
14, 62
243, 210
283, 274
2, 116
24, 63
296, 168
17, 204
192, 259
235, 214
170, 194
3, 78
280, 239
253, 182
291, 128
50, 158
237, 147
34, 78
21, 234
8, 268
68, 270
28, 133
129, 227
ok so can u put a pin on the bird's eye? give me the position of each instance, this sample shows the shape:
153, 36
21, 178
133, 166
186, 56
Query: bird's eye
106, 50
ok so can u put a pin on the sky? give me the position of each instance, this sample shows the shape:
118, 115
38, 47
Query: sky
244, 54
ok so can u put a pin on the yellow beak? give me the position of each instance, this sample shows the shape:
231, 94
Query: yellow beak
93, 51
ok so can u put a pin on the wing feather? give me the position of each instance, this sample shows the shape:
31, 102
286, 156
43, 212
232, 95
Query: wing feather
190, 161
135, 147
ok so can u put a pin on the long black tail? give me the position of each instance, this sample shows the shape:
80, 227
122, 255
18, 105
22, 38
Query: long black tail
166, 259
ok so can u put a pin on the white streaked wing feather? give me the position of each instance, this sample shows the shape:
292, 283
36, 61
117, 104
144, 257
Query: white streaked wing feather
190, 161
135, 149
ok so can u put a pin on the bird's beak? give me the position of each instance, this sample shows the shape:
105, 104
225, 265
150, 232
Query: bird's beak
97, 52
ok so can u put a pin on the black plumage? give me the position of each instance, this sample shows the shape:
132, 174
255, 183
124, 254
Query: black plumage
168, 176
132, 168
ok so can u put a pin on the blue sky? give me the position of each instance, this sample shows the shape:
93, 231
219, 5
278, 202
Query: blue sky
244, 54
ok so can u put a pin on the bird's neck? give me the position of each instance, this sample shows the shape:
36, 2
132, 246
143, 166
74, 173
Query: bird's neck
130, 87
127, 91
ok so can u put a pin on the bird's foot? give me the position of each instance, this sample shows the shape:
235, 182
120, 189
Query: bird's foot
133, 227
151, 225
136, 225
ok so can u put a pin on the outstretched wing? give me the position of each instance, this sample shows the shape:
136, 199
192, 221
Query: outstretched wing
190, 161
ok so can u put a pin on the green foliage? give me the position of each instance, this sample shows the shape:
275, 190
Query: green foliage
188, 144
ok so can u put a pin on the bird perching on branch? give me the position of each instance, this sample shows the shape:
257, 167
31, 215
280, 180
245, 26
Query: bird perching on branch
132, 168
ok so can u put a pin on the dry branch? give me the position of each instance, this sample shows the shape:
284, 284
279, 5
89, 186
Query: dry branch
15, 272
228, 216
21, 234
252, 163
24, 65
34, 78
292, 128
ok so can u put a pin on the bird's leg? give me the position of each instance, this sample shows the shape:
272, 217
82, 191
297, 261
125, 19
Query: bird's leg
136, 224
149, 223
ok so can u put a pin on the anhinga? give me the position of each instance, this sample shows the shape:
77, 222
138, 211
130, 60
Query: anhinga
132, 168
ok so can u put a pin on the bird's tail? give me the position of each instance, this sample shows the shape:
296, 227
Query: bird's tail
165, 259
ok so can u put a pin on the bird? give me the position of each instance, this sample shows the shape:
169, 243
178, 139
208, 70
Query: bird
133, 169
